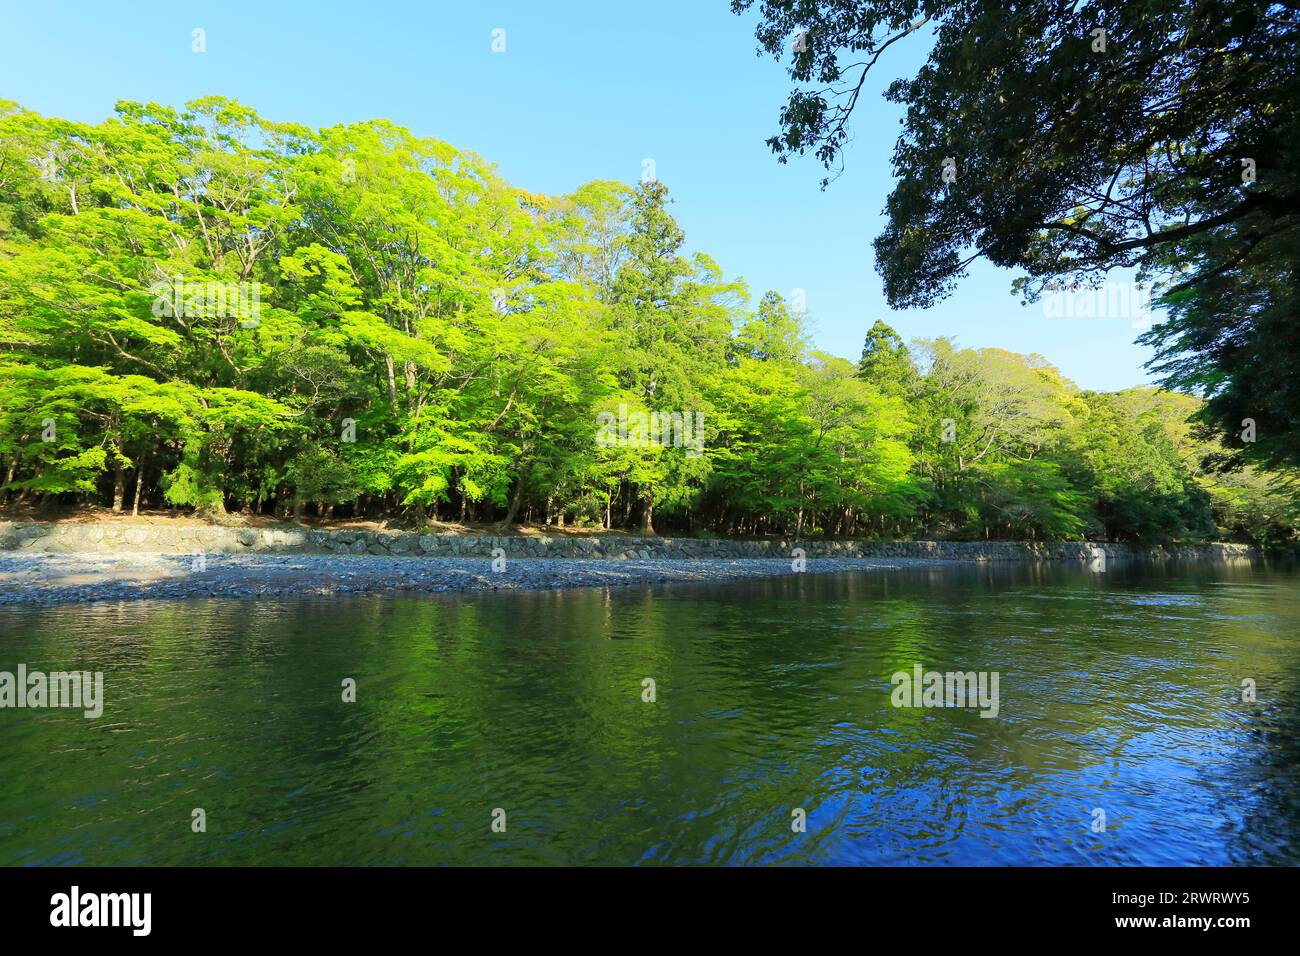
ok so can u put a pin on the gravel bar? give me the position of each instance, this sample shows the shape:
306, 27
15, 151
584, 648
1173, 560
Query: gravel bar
62, 578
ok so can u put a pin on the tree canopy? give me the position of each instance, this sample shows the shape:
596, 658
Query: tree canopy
1081, 138
206, 310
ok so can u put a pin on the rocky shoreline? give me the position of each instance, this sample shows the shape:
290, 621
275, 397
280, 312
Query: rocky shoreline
127, 537
61, 563
46, 579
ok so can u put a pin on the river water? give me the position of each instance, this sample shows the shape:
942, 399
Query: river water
1119, 702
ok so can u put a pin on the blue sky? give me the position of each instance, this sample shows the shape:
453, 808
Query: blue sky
583, 91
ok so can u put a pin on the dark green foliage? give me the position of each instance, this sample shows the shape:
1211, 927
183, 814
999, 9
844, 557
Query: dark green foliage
1087, 139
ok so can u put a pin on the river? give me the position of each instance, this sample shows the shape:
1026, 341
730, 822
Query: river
1119, 692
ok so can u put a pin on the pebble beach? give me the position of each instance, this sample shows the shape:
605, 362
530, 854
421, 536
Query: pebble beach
43, 578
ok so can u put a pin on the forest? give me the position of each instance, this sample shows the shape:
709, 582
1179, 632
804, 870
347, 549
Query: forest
207, 311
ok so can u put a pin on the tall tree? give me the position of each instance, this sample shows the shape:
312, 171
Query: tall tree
886, 361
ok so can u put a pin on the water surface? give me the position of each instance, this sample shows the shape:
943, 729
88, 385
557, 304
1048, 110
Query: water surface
1119, 692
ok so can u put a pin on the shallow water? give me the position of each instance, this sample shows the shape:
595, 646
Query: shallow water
1118, 692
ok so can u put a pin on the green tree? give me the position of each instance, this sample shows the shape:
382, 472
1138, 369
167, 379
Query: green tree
1079, 139
886, 361
206, 310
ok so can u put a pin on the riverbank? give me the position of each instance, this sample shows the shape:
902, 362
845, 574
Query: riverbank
55, 563
48, 579
171, 537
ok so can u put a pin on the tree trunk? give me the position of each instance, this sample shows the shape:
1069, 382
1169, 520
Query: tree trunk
9, 475
119, 487
139, 481
516, 499
647, 517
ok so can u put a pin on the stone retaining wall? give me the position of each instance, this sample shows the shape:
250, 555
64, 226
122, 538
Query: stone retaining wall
118, 537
